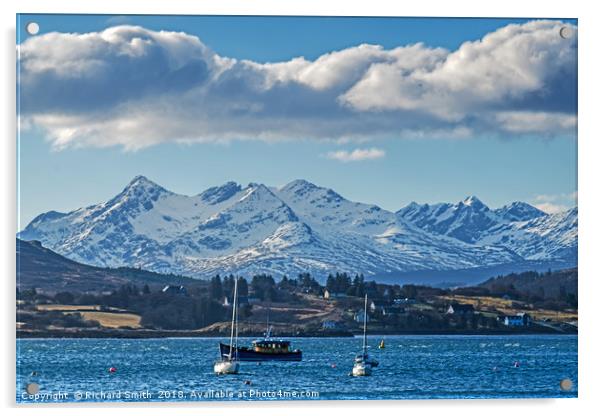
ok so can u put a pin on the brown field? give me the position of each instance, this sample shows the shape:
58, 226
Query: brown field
562, 316
310, 309
113, 320
421, 307
67, 308
511, 307
483, 302
75, 308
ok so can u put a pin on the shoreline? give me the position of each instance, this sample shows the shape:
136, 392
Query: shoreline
158, 334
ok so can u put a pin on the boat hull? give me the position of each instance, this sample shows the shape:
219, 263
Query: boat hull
361, 370
247, 354
226, 367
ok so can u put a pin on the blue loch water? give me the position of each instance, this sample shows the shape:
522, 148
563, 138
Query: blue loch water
411, 367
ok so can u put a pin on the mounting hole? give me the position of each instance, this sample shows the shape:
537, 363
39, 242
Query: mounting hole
566, 32
32, 388
32, 28
566, 384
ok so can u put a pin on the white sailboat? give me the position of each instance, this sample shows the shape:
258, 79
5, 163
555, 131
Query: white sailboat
362, 365
229, 364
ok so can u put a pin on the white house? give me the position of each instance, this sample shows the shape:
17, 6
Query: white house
333, 295
392, 310
460, 309
175, 290
330, 325
377, 306
242, 300
359, 317
521, 319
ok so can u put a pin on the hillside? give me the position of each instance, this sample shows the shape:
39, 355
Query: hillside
44, 269
548, 285
292, 307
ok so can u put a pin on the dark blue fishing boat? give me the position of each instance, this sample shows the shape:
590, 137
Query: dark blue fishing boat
263, 350
266, 349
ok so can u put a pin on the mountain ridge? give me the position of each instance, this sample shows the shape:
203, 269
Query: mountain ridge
299, 227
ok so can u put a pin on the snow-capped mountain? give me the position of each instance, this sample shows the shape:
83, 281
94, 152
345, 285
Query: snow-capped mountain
300, 227
519, 227
545, 237
519, 211
465, 220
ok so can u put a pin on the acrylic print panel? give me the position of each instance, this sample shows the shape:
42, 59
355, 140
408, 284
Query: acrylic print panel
296, 208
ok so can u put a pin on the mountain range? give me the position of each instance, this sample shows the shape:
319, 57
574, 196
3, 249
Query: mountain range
302, 227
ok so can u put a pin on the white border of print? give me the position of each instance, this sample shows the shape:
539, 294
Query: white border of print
590, 199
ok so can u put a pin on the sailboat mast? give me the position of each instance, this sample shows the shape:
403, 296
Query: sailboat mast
236, 319
268, 333
365, 320
233, 317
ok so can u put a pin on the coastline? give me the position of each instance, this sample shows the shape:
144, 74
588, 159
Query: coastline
148, 334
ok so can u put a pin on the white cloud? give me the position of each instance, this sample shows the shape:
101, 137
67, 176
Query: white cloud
356, 155
133, 87
536, 122
503, 67
551, 208
572, 196
555, 203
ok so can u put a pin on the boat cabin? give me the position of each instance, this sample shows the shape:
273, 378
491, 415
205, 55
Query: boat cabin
271, 346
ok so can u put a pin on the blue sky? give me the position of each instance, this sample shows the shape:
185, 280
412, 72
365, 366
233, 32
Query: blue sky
266, 38
498, 165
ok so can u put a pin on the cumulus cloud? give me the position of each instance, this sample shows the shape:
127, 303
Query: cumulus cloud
356, 155
535, 122
133, 87
555, 203
551, 208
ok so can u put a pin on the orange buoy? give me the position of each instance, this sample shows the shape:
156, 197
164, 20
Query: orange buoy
112, 369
